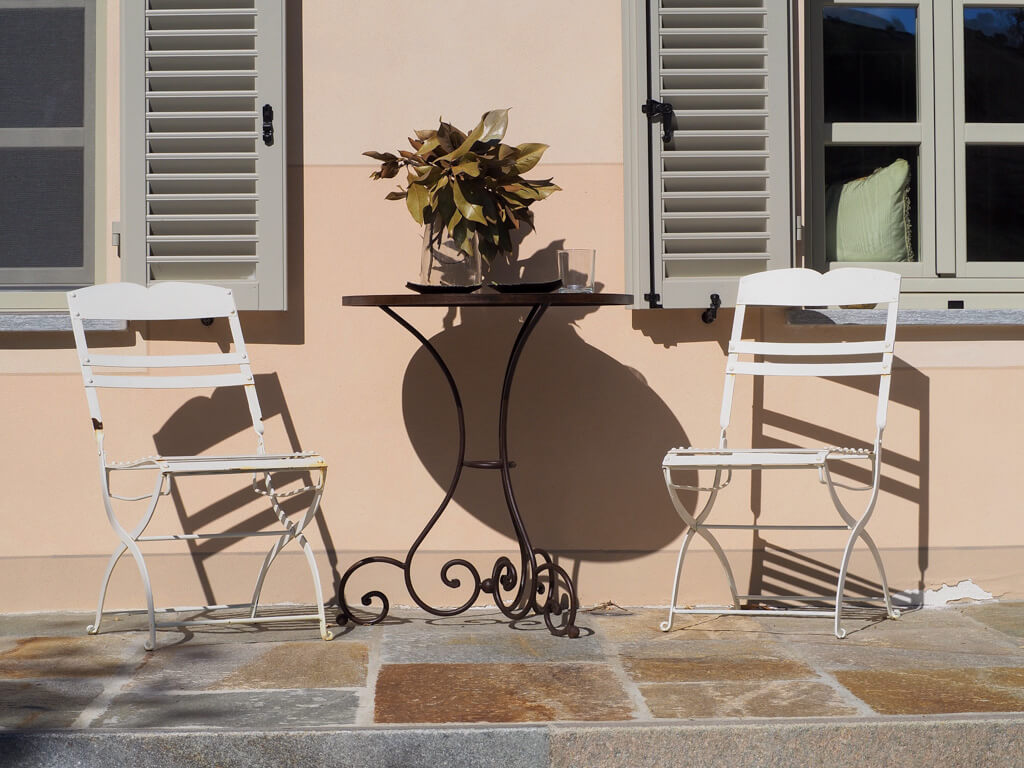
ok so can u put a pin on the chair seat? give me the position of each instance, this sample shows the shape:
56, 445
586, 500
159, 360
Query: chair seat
209, 465
759, 458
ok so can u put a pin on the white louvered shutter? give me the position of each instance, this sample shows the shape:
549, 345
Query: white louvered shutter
721, 200
203, 180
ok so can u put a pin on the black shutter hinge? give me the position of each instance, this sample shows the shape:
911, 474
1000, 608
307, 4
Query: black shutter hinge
654, 299
659, 110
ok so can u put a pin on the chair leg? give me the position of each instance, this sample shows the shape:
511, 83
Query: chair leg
892, 612
150, 644
857, 527
725, 565
128, 541
94, 628
667, 625
695, 526
295, 532
271, 555
838, 629
325, 633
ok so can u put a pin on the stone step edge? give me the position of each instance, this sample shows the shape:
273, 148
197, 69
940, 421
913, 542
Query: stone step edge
910, 741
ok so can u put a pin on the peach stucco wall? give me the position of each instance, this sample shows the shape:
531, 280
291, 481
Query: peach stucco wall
599, 395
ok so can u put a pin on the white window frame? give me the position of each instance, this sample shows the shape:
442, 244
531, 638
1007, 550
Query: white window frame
33, 289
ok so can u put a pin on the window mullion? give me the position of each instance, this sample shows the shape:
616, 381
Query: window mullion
949, 137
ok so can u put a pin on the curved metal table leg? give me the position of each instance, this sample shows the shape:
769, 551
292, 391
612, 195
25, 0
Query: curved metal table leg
527, 581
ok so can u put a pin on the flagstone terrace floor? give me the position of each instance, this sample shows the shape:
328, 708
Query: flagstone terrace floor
621, 694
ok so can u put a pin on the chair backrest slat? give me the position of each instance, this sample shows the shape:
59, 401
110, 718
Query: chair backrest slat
163, 361
163, 301
168, 382
810, 369
843, 348
807, 288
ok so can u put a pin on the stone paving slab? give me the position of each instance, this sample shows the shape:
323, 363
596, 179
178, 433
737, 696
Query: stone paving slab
45, 704
225, 666
747, 698
1003, 617
454, 693
256, 710
937, 691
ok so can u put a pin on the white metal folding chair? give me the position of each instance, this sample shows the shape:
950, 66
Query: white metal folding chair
175, 301
793, 288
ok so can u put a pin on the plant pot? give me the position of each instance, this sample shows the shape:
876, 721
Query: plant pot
443, 263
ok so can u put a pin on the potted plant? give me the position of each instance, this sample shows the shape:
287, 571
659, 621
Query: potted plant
468, 193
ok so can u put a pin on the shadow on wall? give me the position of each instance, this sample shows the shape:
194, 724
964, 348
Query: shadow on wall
203, 422
777, 570
586, 432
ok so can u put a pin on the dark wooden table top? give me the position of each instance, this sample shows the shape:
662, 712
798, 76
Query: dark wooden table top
486, 299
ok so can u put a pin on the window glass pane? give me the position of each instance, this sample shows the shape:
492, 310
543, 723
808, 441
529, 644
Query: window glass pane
870, 64
871, 203
995, 199
41, 207
42, 60
993, 64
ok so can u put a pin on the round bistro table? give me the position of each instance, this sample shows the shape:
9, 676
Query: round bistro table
535, 587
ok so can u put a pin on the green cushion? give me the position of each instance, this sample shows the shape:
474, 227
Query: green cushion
868, 219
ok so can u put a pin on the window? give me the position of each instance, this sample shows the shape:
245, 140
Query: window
47, 145
203, 158
931, 84
871, 155
827, 133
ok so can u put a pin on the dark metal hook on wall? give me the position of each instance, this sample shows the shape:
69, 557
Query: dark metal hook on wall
709, 314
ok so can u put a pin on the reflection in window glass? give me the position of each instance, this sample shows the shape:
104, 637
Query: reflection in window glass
871, 203
995, 199
993, 64
870, 64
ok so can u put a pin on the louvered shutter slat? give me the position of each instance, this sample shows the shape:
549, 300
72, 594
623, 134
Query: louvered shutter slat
721, 200
212, 208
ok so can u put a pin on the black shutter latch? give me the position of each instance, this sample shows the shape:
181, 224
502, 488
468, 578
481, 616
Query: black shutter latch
268, 125
709, 314
659, 110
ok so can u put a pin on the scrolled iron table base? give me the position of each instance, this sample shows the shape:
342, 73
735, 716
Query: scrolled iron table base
539, 585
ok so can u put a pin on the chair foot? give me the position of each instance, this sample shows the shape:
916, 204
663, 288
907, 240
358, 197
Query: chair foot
149, 645
895, 613
665, 626
325, 633
92, 629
